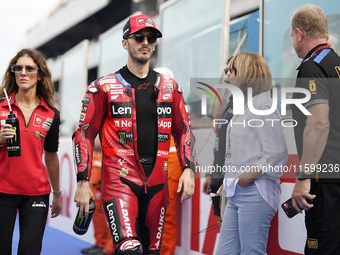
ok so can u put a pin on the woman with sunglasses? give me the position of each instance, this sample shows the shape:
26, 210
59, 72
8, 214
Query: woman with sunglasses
25, 182
256, 152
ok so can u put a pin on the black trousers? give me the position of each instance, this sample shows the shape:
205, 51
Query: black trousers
323, 220
33, 212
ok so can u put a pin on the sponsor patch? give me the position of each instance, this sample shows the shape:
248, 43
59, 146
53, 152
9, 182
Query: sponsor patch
166, 96
122, 81
41, 121
116, 92
164, 110
92, 88
46, 124
169, 88
312, 87
82, 116
164, 124
38, 119
163, 154
337, 69
125, 152
130, 244
116, 86
126, 219
39, 134
115, 226
123, 123
84, 108
143, 86
41, 204
124, 171
124, 137
160, 227
105, 81
4, 114
77, 155
121, 161
86, 100
163, 137
147, 22
114, 97
312, 243
106, 88
120, 110
166, 165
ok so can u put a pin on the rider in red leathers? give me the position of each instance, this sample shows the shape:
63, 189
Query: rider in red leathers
135, 111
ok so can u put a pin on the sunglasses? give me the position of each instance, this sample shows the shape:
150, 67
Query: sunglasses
29, 69
152, 38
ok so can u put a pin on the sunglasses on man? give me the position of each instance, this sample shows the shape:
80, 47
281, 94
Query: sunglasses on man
152, 38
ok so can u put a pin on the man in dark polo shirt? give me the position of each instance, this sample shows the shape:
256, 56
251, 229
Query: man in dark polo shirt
317, 188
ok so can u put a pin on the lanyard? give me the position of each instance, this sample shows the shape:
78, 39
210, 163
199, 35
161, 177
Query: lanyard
328, 46
228, 148
226, 110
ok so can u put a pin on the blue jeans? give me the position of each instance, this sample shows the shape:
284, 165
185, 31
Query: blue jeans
245, 223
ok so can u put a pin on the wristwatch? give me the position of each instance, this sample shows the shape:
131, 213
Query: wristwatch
57, 192
300, 175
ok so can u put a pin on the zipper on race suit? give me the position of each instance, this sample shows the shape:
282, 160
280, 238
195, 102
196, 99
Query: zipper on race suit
145, 187
131, 93
157, 127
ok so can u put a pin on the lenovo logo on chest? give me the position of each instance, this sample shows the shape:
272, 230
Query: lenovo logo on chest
164, 109
120, 110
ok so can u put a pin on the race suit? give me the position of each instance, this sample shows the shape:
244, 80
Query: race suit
135, 205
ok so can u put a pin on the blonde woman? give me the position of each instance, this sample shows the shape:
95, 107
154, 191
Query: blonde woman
254, 147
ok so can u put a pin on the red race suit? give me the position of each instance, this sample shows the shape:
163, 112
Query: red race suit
134, 204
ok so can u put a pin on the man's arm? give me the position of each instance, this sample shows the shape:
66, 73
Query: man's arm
206, 185
184, 141
187, 181
94, 108
314, 142
82, 197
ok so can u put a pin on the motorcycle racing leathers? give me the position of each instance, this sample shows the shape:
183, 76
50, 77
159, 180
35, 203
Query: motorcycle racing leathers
134, 203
